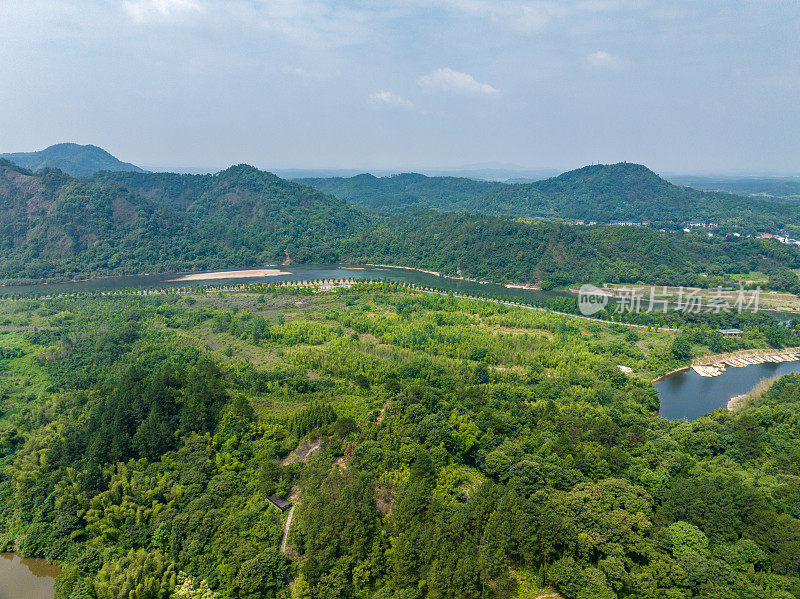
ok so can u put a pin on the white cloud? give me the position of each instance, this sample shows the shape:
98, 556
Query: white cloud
532, 16
529, 19
525, 17
603, 61
311, 74
450, 81
149, 10
390, 98
319, 24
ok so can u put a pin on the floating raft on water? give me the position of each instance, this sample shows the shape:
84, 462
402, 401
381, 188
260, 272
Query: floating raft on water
708, 370
741, 361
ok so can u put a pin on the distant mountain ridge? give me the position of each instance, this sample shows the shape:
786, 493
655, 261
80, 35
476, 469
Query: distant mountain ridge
776, 189
624, 191
74, 159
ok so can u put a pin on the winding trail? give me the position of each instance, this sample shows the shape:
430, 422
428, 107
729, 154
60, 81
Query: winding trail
286, 529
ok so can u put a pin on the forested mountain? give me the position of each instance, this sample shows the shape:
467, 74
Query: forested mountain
73, 159
52, 225
398, 193
603, 193
56, 226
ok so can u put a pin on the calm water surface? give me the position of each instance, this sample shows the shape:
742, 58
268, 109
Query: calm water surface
689, 395
296, 273
26, 578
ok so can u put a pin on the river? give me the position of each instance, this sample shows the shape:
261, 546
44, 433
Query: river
310, 272
26, 578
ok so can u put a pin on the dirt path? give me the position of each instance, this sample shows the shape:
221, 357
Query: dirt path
302, 452
286, 529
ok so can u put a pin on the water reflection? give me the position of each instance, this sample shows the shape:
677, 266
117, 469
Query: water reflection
26, 577
295, 273
689, 395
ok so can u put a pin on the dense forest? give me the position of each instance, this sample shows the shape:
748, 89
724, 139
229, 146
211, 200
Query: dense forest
53, 226
553, 255
408, 191
433, 447
602, 193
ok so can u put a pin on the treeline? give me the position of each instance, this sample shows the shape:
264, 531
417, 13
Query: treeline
504, 250
775, 189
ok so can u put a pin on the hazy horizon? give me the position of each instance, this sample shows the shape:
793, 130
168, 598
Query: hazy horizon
684, 88
485, 171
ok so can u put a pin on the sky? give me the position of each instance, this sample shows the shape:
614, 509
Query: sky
682, 86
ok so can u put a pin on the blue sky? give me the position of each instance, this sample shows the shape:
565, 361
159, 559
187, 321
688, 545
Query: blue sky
685, 87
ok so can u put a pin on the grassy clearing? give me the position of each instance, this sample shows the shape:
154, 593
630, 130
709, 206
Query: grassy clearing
22, 379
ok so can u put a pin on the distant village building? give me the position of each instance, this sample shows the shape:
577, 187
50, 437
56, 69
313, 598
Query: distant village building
780, 238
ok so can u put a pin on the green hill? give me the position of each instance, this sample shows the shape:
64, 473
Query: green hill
603, 193
407, 191
510, 250
53, 226
73, 159
628, 191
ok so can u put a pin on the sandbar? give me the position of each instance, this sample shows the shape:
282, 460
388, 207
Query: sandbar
231, 274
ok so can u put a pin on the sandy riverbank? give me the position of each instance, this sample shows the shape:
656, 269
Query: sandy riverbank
753, 356
737, 402
230, 274
427, 272
459, 277
522, 286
